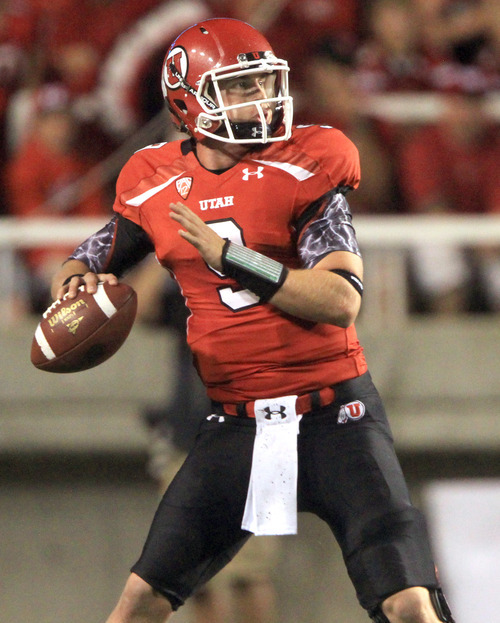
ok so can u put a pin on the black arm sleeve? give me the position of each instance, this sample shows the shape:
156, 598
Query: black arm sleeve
329, 229
117, 247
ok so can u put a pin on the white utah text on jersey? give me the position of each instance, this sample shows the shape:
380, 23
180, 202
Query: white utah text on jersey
218, 202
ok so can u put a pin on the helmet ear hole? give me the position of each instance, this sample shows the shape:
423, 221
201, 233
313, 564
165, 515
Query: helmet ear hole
210, 91
181, 104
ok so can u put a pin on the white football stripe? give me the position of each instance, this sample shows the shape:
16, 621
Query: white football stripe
298, 173
140, 199
102, 299
44, 345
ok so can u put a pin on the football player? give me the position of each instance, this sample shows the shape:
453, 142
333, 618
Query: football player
249, 214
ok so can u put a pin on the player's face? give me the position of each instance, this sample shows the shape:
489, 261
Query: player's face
248, 88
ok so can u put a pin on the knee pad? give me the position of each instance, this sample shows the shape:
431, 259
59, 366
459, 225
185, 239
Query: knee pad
439, 604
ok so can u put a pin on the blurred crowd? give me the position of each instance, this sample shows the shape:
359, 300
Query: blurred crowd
78, 78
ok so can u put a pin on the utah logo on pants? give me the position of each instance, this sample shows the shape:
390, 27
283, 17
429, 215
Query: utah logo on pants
351, 411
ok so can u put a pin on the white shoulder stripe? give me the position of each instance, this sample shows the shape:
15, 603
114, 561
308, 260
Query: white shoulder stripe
102, 299
44, 345
140, 199
298, 172
152, 146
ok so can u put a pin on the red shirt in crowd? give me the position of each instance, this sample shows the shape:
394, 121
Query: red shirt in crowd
438, 171
38, 183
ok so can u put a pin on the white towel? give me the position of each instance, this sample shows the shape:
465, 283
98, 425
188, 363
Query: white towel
271, 505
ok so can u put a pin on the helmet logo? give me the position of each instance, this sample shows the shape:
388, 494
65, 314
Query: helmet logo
175, 70
178, 59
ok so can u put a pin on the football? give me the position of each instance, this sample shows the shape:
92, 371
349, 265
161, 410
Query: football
81, 333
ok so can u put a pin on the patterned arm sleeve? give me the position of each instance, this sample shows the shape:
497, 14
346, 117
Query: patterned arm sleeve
117, 247
329, 230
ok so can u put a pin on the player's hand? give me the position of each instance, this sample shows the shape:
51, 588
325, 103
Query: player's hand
200, 235
90, 280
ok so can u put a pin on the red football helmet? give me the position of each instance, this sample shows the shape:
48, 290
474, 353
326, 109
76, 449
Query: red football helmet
215, 50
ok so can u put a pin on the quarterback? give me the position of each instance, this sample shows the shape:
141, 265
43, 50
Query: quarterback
249, 214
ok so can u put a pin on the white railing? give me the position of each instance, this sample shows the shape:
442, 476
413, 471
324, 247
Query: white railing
28, 233
418, 107
373, 232
384, 241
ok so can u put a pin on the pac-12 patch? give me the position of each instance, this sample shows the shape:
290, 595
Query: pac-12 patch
351, 411
183, 186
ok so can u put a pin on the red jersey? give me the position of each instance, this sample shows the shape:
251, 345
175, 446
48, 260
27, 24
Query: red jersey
245, 350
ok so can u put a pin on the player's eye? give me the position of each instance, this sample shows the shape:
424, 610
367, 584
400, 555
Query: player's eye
239, 84
245, 84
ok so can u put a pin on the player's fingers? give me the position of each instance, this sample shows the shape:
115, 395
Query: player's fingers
91, 280
195, 227
179, 218
182, 214
180, 208
192, 231
60, 293
71, 289
198, 233
107, 278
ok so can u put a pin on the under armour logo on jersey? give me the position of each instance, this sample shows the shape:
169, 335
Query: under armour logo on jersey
351, 411
247, 173
183, 186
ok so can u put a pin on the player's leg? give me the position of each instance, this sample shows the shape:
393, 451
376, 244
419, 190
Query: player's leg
211, 604
197, 528
249, 601
350, 476
139, 603
255, 601
244, 591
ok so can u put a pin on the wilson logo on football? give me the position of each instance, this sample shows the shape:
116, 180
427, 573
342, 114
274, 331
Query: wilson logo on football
351, 411
74, 324
65, 315
183, 186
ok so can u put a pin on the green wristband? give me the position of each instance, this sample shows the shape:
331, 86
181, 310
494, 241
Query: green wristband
254, 271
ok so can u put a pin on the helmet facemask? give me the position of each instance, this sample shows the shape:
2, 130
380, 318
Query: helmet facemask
215, 120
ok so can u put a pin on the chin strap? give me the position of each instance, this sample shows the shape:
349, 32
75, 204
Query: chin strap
438, 601
249, 129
